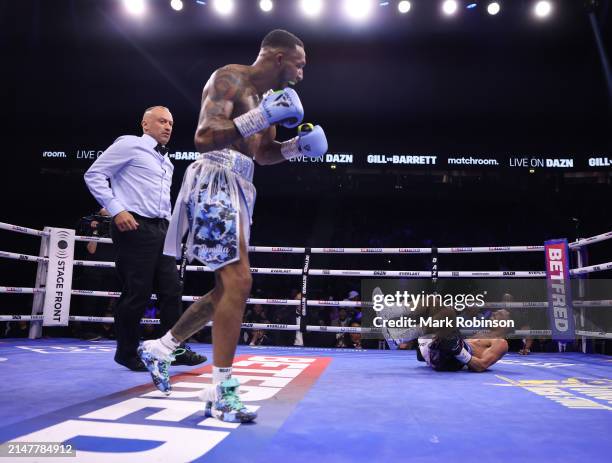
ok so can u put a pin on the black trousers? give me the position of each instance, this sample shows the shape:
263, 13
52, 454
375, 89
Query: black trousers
142, 269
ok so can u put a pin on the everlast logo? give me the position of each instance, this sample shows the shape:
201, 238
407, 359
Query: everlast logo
282, 249
499, 248
371, 249
306, 264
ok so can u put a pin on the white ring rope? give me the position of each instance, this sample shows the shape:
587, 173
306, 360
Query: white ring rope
310, 302
593, 239
24, 230
284, 327
24, 257
347, 273
300, 250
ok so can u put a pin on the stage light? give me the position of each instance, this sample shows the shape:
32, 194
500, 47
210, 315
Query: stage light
493, 8
403, 6
135, 7
266, 5
449, 7
177, 5
223, 7
311, 8
542, 9
357, 10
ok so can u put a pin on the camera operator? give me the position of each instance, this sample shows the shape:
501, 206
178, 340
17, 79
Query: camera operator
94, 278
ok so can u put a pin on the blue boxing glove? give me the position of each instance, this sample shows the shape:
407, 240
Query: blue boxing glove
310, 142
282, 107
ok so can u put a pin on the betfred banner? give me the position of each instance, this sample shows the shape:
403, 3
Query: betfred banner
560, 306
56, 307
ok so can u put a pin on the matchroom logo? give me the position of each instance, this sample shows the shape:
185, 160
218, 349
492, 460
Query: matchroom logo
143, 425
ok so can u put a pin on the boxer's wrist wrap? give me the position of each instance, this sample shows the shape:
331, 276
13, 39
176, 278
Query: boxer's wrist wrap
290, 148
464, 356
251, 122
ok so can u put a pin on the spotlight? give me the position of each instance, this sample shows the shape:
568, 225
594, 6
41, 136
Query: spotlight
311, 8
135, 7
449, 7
403, 6
542, 9
493, 8
357, 10
266, 5
223, 7
177, 5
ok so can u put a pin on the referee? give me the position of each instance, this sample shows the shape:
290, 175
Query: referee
138, 199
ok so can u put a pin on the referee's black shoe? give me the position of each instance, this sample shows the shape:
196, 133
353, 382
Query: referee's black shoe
189, 357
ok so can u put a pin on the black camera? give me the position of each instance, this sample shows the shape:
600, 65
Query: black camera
94, 225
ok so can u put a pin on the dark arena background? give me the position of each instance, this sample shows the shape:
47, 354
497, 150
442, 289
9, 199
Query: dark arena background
447, 128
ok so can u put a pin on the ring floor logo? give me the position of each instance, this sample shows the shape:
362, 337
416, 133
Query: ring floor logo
143, 425
572, 393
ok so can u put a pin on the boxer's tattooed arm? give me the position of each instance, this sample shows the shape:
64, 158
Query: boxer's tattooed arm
195, 317
269, 151
215, 127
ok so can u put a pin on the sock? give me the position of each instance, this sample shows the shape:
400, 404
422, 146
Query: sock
221, 374
169, 341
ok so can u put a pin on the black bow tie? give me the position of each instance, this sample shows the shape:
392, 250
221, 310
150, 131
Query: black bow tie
161, 149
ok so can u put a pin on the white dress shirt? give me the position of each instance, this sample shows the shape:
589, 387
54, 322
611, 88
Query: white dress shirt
140, 178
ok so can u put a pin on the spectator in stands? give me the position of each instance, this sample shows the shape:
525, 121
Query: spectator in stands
343, 320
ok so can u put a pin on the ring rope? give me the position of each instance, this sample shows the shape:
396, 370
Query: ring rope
349, 273
300, 250
309, 302
283, 327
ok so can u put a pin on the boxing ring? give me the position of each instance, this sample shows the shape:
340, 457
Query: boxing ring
338, 405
